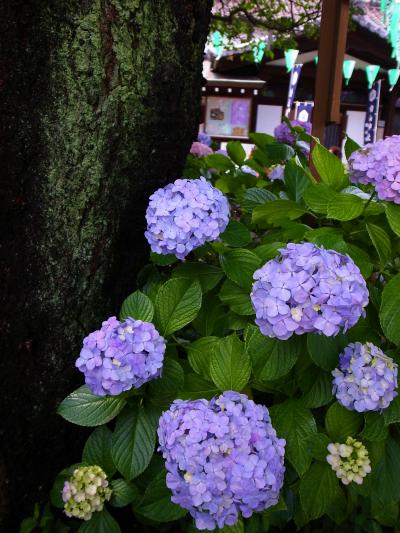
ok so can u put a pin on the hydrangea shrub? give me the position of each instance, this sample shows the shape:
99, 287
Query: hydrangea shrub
250, 381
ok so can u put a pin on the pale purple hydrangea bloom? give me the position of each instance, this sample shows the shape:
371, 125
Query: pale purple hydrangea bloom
184, 215
308, 289
366, 379
283, 134
378, 164
121, 355
223, 458
277, 172
248, 170
200, 150
204, 138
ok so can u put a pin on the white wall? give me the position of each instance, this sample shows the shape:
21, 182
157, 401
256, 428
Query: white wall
268, 117
355, 126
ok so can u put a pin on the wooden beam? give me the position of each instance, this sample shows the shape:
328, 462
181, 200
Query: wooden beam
332, 47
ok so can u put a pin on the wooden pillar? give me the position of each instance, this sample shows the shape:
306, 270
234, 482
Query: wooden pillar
332, 47
391, 109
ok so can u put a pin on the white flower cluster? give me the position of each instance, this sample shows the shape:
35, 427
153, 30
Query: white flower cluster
349, 461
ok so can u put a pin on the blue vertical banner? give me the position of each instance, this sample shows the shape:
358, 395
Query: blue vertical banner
371, 119
294, 79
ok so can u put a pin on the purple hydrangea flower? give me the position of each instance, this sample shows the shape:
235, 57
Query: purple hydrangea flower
184, 215
308, 289
366, 379
277, 172
204, 138
378, 164
121, 355
223, 458
283, 134
200, 150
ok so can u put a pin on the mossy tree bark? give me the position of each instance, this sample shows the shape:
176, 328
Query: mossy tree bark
99, 102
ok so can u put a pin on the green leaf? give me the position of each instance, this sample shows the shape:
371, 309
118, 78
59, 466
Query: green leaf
350, 147
156, 503
83, 408
329, 167
163, 259
56, 490
197, 387
345, 207
271, 358
177, 303
236, 152
319, 446
390, 310
237, 528
256, 196
393, 217
210, 319
381, 241
236, 234
123, 493
278, 152
164, 391
230, 365
374, 428
207, 275
239, 265
391, 414
325, 351
97, 450
219, 162
320, 392
327, 237
296, 424
277, 211
269, 251
133, 442
341, 423
101, 522
199, 355
319, 489
386, 474
236, 298
261, 139
296, 180
317, 197
137, 306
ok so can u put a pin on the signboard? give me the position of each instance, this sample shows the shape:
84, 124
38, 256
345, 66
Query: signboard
304, 111
228, 116
371, 119
294, 79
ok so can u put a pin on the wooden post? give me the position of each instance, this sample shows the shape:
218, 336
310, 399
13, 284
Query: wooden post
332, 47
391, 109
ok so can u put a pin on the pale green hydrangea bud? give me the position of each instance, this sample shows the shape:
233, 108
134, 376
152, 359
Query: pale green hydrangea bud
85, 492
349, 461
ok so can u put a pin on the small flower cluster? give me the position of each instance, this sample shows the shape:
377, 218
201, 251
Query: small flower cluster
200, 150
308, 289
283, 133
184, 215
223, 457
378, 164
349, 461
366, 379
85, 492
121, 355
277, 172
204, 138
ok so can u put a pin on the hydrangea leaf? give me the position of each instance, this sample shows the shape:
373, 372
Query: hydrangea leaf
199, 355
137, 306
296, 180
277, 211
341, 423
393, 217
230, 365
164, 390
85, 409
236, 152
390, 310
391, 415
319, 489
320, 392
123, 493
207, 275
318, 196
236, 234
255, 196
381, 241
236, 298
177, 303
386, 474
325, 351
239, 265
345, 207
101, 522
350, 146
296, 424
97, 450
329, 167
196, 387
133, 442
269, 251
374, 428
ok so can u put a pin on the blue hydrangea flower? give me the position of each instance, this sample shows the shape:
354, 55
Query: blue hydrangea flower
308, 289
366, 379
223, 458
204, 138
283, 134
378, 164
121, 355
277, 172
184, 215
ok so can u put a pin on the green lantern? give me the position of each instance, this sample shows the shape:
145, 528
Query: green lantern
316, 60
217, 43
393, 75
258, 52
348, 68
371, 72
290, 58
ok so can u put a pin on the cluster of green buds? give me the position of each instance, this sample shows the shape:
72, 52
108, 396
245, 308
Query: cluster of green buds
85, 492
349, 461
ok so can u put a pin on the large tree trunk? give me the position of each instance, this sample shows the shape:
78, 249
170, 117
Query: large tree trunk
99, 103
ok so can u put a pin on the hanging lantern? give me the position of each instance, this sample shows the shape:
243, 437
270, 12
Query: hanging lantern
393, 75
258, 52
217, 43
391, 18
348, 68
371, 72
290, 58
316, 60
